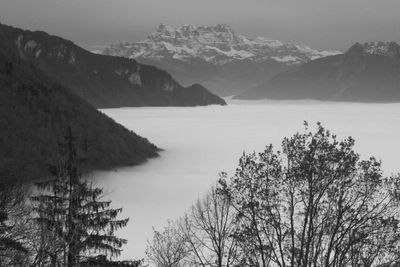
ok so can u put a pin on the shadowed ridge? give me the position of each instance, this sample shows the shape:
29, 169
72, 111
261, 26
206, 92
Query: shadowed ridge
367, 72
103, 81
36, 111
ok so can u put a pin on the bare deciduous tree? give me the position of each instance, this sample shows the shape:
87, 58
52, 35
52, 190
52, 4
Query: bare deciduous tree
168, 248
314, 204
209, 228
13, 231
203, 237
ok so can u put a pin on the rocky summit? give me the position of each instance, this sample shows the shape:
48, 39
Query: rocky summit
217, 44
216, 56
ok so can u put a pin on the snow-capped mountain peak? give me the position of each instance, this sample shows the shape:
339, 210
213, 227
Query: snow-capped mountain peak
388, 49
381, 48
218, 44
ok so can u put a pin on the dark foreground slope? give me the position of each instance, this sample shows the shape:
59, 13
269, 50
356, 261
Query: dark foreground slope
35, 113
368, 72
103, 81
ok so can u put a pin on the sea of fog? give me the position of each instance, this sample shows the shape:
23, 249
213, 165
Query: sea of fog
200, 142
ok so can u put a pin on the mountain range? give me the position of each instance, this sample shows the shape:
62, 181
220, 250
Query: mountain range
368, 72
104, 81
49, 84
225, 62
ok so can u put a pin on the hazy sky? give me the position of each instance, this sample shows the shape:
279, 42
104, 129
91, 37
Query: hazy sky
323, 24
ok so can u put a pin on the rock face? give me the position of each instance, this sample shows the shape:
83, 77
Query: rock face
36, 112
215, 56
103, 81
367, 72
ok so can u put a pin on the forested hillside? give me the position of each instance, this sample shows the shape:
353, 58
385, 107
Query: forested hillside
36, 112
103, 81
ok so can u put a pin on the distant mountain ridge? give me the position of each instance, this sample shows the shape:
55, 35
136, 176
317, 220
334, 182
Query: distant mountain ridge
368, 72
224, 61
104, 81
217, 44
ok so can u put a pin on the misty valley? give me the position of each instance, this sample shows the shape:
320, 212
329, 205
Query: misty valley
201, 142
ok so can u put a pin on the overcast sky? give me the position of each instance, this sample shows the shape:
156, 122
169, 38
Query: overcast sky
322, 24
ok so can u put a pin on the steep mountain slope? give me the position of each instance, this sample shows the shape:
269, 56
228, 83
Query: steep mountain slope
35, 113
367, 72
215, 56
103, 81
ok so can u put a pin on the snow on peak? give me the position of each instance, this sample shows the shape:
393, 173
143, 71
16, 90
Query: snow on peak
217, 44
387, 49
381, 48
221, 28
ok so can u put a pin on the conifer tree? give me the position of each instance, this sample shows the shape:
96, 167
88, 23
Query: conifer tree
72, 210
